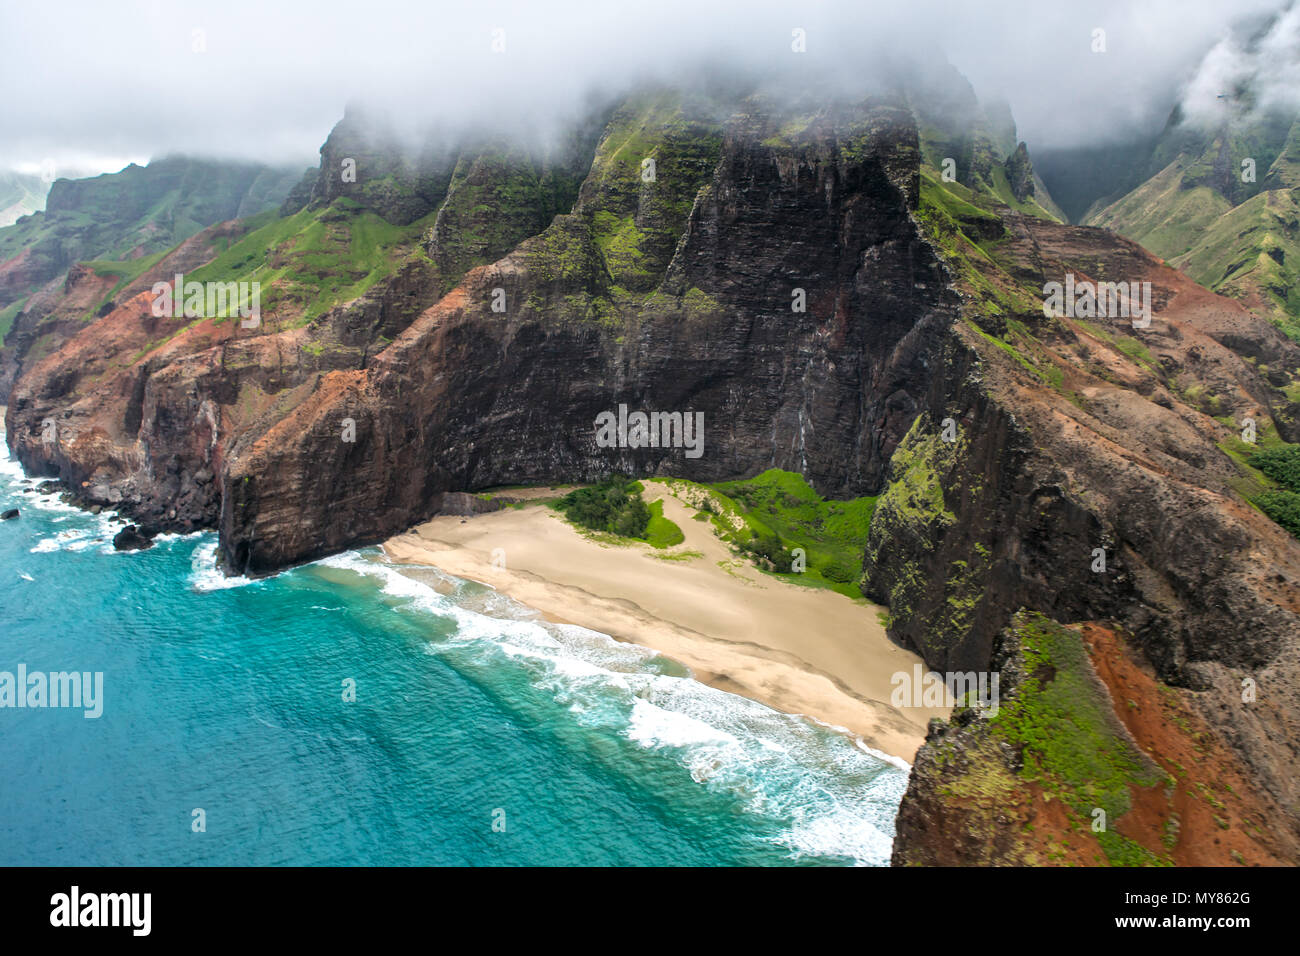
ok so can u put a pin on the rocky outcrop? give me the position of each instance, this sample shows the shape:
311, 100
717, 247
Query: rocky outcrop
1086, 477
1020, 173
1089, 760
132, 538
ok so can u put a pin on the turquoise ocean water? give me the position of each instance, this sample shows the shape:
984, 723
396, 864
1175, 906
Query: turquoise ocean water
228, 696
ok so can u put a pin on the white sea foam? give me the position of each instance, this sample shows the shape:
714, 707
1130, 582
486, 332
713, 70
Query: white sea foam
204, 573
840, 832
85, 530
833, 796
654, 726
9, 467
898, 762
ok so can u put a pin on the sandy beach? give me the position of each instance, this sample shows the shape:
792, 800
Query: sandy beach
801, 650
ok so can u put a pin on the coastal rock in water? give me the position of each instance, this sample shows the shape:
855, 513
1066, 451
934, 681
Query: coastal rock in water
132, 538
7, 515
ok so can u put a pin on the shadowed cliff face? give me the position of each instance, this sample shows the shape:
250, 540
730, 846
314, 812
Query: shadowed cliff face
765, 272
468, 397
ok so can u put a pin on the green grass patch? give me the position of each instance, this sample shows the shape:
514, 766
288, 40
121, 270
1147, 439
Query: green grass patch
680, 555
662, 532
126, 272
316, 259
780, 512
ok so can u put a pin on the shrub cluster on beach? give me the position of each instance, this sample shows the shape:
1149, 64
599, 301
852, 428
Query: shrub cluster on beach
614, 506
776, 519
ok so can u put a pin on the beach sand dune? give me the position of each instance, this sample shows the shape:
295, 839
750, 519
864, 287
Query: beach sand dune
798, 649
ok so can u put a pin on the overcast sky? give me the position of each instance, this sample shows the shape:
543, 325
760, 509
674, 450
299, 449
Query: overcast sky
96, 84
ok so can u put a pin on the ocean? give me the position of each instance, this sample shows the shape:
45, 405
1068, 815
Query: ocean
358, 712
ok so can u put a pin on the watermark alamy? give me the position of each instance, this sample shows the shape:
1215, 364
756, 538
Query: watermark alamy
209, 300
37, 689
651, 430
1098, 300
978, 689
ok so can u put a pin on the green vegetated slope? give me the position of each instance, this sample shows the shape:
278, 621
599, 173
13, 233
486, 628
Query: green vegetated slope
1233, 232
1070, 746
124, 271
781, 512
967, 229
315, 259
913, 504
331, 253
767, 517
986, 164
658, 151
763, 519
1253, 250
143, 209
1070, 740
122, 224
305, 263
969, 233
497, 196
1164, 214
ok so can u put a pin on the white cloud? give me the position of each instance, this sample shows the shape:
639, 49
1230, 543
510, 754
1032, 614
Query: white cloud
270, 80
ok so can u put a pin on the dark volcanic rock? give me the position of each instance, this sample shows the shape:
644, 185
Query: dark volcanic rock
132, 538
7, 515
466, 505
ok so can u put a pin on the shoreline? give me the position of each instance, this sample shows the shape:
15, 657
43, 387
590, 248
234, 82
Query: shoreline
800, 650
